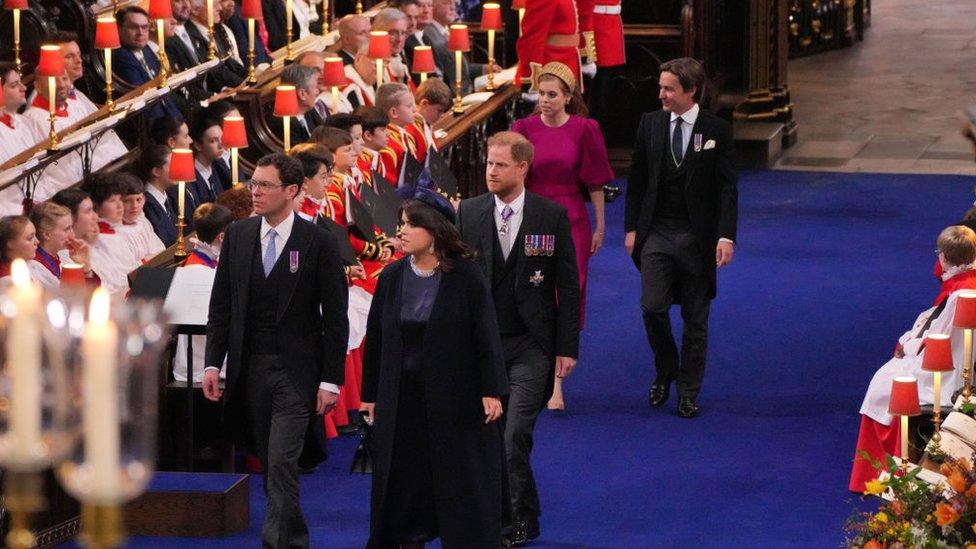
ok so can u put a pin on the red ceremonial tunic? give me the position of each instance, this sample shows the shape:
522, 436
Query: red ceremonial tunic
399, 144
367, 252
546, 22
608, 33
368, 161
421, 138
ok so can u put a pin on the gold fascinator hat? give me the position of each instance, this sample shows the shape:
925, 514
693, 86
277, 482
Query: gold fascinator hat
555, 68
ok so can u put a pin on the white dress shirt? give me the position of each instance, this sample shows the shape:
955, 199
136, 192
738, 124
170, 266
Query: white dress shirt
282, 233
507, 240
688, 120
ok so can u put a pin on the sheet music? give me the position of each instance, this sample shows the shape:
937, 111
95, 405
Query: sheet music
188, 299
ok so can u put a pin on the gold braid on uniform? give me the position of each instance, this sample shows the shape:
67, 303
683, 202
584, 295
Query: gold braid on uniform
370, 251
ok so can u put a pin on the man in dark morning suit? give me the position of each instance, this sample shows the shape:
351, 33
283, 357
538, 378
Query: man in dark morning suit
436, 33
526, 249
680, 223
135, 62
305, 79
229, 73
238, 25
182, 56
278, 314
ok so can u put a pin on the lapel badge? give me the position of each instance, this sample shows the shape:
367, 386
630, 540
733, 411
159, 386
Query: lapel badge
293, 261
536, 279
698, 142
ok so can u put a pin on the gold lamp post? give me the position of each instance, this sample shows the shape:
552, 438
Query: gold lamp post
51, 66
491, 20
182, 171
289, 55
16, 6
107, 38
965, 318
251, 10
211, 38
325, 18
937, 359
458, 42
161, 10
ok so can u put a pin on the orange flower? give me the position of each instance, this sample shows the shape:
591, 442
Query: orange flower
946, 469
964, 464
971, 492
945, 514
957, 481
873, 544
898, 507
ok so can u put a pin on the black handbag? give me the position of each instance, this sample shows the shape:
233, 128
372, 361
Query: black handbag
362, 460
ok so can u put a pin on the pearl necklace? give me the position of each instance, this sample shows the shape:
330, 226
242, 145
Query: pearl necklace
421, 272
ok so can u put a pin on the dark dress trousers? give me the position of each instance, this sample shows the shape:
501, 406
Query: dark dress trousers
163, 220
537, 302
282, 334
456, 362
679, 211
127, 68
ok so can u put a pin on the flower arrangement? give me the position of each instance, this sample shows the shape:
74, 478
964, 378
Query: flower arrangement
919, 515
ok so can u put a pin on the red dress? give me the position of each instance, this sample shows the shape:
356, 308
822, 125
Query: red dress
569, 161
550, 31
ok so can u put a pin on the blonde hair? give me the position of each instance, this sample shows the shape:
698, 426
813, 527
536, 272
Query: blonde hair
522, 149
957, 244
45, 217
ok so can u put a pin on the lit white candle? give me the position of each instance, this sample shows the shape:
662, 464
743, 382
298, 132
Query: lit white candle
101, 397
250, 34
108, 66
182, 197
24, 360
288, 10
210, 13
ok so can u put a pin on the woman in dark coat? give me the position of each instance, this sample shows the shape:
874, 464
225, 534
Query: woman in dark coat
433, 380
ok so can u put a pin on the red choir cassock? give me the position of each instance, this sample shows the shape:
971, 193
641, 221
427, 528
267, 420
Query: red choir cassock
608, 33
400, 143
369, 161
550, 32
422, 137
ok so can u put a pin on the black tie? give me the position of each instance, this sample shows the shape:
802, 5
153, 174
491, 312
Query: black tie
677, 142
214, 181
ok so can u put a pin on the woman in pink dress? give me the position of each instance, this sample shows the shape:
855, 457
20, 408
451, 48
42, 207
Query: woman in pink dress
570, 160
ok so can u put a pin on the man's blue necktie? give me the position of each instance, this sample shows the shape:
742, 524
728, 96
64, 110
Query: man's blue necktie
271, 253
677, 142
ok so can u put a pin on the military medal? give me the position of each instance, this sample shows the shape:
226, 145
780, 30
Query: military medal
536, 279
698, 142
293, 261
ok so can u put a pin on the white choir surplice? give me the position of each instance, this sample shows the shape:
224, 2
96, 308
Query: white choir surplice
112, 258
68, 170
17, 134
875, 403
142, 237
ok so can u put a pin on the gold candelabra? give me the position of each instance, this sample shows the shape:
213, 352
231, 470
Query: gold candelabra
180, 253
251, 77
52, 135
163, 58
325, 18
289, 55
458, 60
359, 7
22, 496
17, 39
491, 60
101, 526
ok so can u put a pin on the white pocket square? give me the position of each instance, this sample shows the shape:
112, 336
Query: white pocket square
710, 144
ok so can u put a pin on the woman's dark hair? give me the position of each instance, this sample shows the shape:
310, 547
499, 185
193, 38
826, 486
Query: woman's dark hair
70, 198
448, 246
163, 129
152, 157
576, 104
10, 228
200, 126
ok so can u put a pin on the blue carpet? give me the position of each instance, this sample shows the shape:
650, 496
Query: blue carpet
829, 270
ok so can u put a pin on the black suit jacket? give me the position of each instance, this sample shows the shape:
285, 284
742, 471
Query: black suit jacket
229, 73
239, 27
312, 323
163, 224
445, 61
180, 59
298, 133
553, 323
711, 192
127, 68
274, 22
200, 189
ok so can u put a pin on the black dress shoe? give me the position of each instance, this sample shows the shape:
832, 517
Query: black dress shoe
687, 408
518, 536
658, 394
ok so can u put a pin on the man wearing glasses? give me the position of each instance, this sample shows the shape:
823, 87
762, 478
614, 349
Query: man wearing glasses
395, 23
135, 62
278, 313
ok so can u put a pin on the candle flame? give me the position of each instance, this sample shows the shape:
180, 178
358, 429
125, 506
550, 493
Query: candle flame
20, 274
98, 309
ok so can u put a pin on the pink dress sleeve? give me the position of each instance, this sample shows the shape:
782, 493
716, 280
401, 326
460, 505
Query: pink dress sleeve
595, 170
